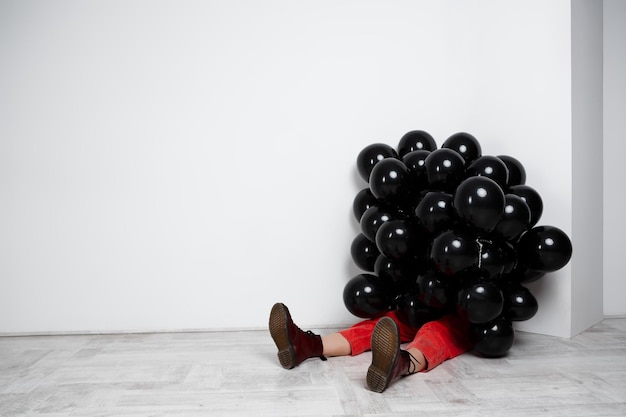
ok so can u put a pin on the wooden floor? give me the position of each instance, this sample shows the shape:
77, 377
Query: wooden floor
237, 374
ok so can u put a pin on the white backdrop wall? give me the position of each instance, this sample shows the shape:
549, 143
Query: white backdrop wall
614, 151
184, 165
587, 197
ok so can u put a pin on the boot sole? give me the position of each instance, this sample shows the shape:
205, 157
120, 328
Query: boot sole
279, 331
385, 351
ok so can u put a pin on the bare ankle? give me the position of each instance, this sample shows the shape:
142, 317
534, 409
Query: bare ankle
417, 359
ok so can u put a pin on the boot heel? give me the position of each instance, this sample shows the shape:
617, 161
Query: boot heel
287, 358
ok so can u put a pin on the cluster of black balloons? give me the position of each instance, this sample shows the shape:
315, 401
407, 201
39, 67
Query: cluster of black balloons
450, 230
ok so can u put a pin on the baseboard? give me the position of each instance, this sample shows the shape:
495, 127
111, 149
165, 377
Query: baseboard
319, 328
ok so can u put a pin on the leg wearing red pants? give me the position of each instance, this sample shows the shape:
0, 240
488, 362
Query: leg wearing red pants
438, 340
442, 339
360, 335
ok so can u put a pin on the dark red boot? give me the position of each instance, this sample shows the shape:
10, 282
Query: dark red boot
389, 362
294, 345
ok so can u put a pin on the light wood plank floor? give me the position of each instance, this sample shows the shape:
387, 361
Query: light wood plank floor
237, 374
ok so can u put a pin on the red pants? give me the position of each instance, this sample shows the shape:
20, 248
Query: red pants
438, 340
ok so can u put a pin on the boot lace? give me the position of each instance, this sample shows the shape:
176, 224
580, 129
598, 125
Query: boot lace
413, 362
310, 333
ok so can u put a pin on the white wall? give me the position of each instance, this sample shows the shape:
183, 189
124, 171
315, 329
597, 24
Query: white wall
587, 200
614, 151
176, 165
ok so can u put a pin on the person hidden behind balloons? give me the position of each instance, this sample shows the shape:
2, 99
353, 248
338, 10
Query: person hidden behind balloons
448, 239
428, 345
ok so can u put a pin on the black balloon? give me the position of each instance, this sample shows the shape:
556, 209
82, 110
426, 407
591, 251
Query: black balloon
532, 198
436, 291
366, 296
530, 275
480, 202
545, 249
398, 239
465, 144
445, 169
374, 217
399, 275
388, 180
515, 217
517, 173
412, 311
490, 167
453, 252
521, 274
493, 339
364, 252
519, 303
435, 211
492, 258
510, 256
416, 140
370, 156
481, 302
416, 163
363, 200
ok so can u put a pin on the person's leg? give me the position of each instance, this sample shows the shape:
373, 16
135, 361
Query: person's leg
389, 362
435, 342
359, 336
335, 344
295, 346
440, 340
